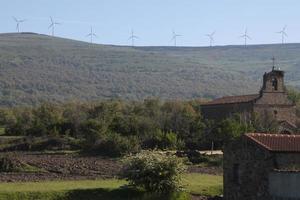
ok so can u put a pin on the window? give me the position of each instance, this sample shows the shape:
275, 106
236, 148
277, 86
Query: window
236, 173
274, 83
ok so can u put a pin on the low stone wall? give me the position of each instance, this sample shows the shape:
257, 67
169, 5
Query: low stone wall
284, 185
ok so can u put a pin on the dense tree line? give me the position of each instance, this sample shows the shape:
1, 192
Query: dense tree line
126, 126
119, 127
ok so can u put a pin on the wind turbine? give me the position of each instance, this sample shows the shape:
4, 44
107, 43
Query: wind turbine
283, 34
174, 37
132, 37
91, 34
52, 25
246, 36
211, 38
18, 21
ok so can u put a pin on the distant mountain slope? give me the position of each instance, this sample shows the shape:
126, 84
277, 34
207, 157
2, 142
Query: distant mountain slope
36, 68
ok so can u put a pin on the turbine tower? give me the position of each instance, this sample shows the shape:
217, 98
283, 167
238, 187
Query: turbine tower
52, 25
132, 37
18, 21
174, 37
211, 38
91, 35
283, 34
246, 37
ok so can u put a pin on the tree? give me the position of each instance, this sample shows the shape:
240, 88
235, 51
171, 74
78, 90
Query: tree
47, 120
228, 129
265, 123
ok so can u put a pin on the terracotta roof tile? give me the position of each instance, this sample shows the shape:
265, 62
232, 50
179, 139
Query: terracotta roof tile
233, 99
276, 142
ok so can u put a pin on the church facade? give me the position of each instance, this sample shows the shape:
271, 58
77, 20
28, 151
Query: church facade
272, 100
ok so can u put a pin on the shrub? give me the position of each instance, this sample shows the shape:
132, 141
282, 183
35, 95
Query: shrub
196, 157
163, 140
154, 171
115, 145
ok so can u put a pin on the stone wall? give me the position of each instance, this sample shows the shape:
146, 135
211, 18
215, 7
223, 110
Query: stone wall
278, 105
254, 166
222, 111
288, 162
279, 112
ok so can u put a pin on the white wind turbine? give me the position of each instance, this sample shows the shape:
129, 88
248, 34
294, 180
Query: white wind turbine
18, 21
283, 34
91, 35
246, 37
211, 38
52, 25
174, 37
132, 37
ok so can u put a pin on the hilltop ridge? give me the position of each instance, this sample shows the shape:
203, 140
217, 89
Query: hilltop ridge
35, 68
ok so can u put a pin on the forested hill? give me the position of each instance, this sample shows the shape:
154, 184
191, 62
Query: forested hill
36, 68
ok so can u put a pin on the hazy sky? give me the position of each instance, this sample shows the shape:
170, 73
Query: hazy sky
153, 20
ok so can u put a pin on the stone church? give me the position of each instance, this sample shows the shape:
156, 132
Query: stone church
272, 100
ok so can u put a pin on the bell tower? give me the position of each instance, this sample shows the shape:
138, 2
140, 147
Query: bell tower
273, 82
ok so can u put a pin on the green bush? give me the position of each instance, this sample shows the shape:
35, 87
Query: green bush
154, 171
115, 145
196, 157
163, 140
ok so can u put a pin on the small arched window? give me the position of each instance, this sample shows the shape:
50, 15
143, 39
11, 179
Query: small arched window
275, 83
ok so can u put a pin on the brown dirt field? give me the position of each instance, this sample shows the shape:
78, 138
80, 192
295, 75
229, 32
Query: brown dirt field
73, 167
67, 167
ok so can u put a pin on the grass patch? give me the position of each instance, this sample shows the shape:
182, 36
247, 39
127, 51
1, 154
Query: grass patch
30, 169
202, 184
110, 189
49, 186
2, 130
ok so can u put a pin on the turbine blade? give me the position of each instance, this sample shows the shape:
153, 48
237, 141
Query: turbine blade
16, 20
50, 26
284, 33
248, 37
51, 19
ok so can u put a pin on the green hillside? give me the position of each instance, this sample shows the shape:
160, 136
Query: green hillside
36, 68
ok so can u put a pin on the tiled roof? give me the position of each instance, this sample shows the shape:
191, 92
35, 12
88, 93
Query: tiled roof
276, 142
233, 99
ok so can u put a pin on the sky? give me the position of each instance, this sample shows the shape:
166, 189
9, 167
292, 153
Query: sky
154, 20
